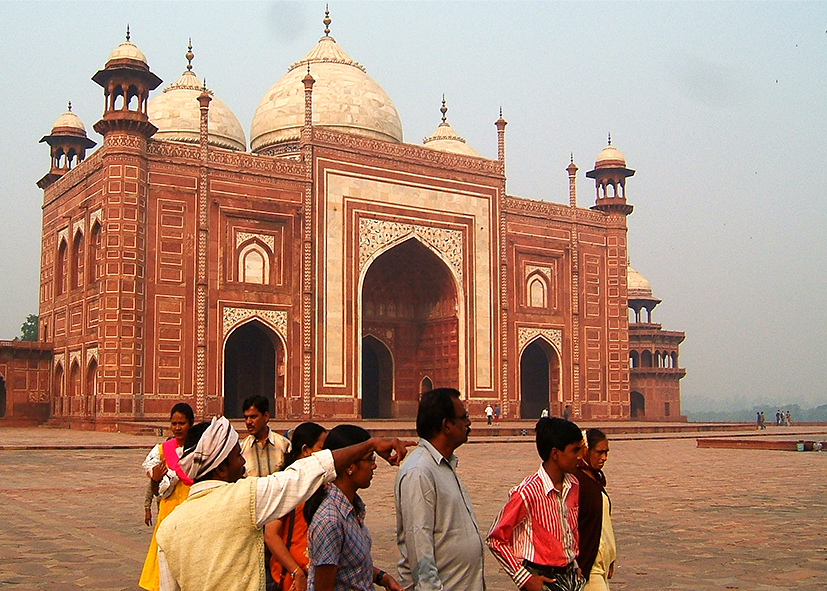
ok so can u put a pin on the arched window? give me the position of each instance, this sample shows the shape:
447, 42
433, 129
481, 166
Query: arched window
537, 292
76, 272
74, 380
426, 385
254, 264
674, 359
58, 388
634, 359
60, 269
646, 359
94, 249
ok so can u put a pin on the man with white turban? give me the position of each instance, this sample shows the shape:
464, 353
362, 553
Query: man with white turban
214, 539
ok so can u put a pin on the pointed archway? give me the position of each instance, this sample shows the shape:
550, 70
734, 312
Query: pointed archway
539, 379
253, 364
377, 379
638, 405
2, 397
411, 299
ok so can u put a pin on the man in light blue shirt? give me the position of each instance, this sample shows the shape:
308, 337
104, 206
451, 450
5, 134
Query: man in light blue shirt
436, 530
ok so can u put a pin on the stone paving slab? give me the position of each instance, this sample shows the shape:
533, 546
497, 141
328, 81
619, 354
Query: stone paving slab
685, 518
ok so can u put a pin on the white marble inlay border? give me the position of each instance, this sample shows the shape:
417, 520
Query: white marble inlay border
269, 240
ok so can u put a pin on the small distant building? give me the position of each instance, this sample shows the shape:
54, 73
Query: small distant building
654, 380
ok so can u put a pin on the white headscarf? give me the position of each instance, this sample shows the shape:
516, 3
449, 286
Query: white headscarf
215, 445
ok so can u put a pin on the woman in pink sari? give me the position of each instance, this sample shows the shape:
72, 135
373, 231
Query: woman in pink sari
161, 466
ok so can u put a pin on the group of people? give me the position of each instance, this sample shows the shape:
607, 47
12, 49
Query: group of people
782, 419
297, 522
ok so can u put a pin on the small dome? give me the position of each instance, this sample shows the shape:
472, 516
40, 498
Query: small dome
445, 139
638, 286
610, 157
127, 51
177, 115
345, 99
69, 123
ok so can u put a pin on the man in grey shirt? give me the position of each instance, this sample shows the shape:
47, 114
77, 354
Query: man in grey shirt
436, 530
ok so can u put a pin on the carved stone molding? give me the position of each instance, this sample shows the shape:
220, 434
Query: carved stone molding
96, 216
90, 353
526, 334
268, 239
276, 319
545, 271
171, 149
60, 359
375, 234
255, 163
80, 224
74, 356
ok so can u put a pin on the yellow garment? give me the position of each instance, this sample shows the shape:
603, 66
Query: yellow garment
212, 543
606, 553
149, 574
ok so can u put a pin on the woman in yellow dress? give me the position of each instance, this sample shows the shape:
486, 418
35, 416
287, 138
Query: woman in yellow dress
161, 466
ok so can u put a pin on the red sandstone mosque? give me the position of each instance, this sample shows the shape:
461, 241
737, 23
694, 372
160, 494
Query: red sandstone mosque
332, 267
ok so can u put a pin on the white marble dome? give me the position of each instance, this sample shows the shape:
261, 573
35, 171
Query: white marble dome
610, 157
177, 115
345, 99
69, 122
638, 287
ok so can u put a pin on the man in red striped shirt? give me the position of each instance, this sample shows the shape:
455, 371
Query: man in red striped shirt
534, 537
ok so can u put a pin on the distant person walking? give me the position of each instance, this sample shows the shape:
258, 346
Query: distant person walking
763, 422
489, 413
566, 412
778, 418
788, 420
497, 414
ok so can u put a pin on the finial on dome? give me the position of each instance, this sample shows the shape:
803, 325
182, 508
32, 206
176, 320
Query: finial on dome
610, 138
189, 55
326, 21
443, 109
308, 68
70, 106
127, 31
501, 111
572, 158
205, 83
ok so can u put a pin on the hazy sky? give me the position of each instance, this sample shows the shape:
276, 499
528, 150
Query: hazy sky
720, 107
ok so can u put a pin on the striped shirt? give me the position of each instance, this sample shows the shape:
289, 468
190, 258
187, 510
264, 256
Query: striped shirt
538, 523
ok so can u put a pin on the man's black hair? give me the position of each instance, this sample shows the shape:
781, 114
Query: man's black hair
435, 406
260, 402
554, 433
194, 436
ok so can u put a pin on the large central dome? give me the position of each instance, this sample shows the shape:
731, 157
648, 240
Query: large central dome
345, 99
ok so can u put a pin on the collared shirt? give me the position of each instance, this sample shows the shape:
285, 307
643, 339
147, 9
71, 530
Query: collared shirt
264, 458
338, 536
436, 530
538, 523
276, 495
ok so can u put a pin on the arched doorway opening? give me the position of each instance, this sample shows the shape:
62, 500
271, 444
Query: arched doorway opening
58, 400
539, 379
253, 364
411, 299
2, 397
377, 379
638, 405
426, 385
91, 386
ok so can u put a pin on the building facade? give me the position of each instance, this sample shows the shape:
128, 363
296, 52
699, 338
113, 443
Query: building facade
333, 268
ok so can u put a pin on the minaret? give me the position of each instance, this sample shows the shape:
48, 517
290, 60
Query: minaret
572, 170
126, 80
610, 174
68, 144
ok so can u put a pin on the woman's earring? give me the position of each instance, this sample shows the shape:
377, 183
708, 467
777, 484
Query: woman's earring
350, 472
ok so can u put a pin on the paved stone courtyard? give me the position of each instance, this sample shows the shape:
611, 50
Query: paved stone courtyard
685, 518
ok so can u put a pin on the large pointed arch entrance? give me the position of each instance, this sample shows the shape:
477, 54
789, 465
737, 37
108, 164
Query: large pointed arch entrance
539, 379
410, 301
253, 364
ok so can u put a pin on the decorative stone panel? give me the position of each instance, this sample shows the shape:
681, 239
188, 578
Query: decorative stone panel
268, 239
525, 334
375, 234
276, 319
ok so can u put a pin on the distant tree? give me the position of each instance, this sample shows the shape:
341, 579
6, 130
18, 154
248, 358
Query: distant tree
28, 332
